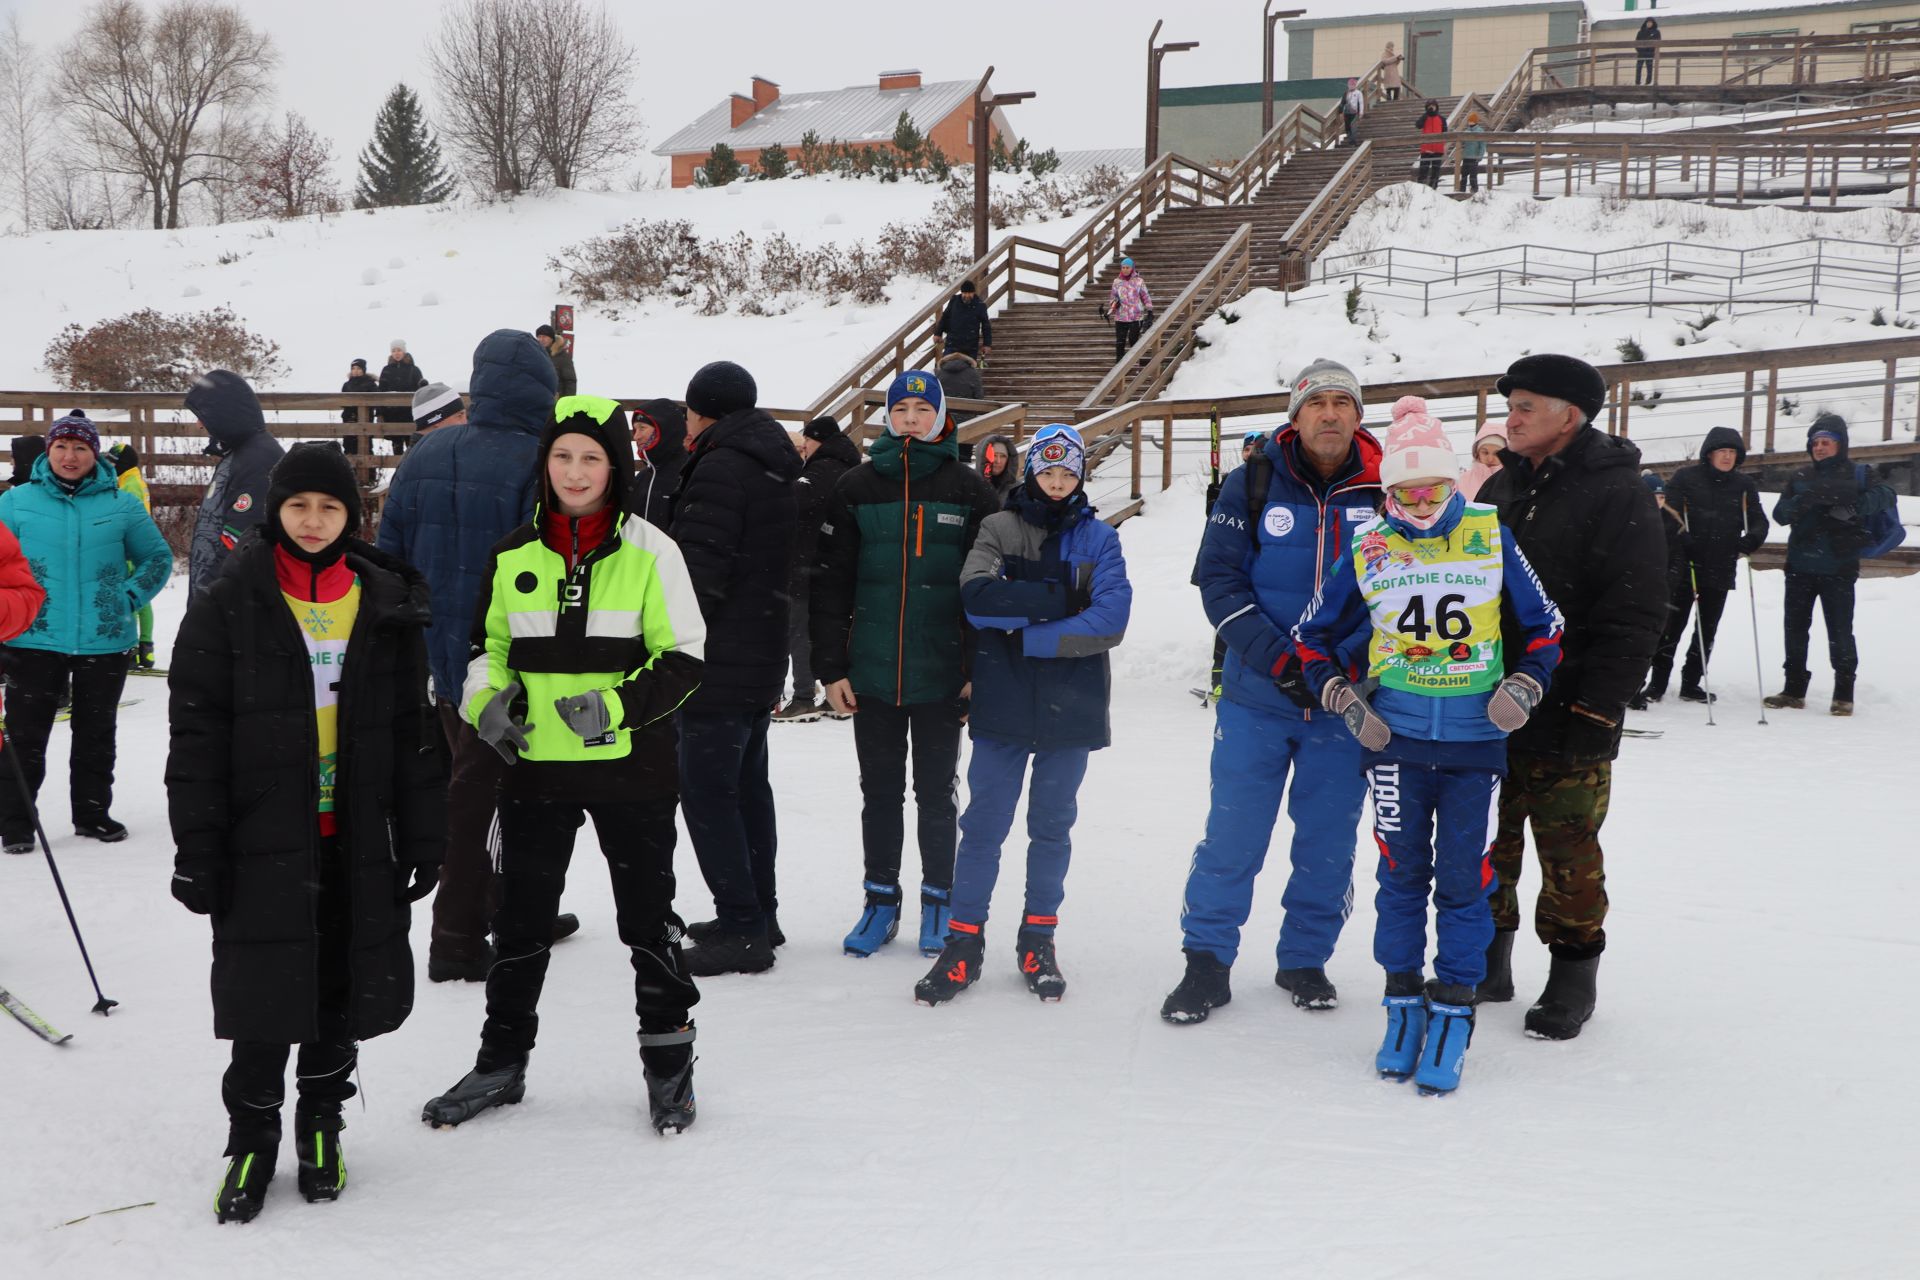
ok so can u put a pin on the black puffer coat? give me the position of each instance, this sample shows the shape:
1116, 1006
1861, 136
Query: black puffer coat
654, 483
242, 789
734, 518
1720, 511
1593, 534
400, 375
812, 492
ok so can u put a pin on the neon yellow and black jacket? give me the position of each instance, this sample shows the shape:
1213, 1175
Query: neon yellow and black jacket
623, 620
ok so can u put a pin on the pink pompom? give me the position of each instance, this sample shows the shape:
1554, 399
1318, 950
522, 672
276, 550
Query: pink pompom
1409, 405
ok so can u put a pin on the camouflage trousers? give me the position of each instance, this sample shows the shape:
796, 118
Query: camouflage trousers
1566, 805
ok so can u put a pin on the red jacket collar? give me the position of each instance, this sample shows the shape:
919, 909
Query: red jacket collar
563, 533
303, 581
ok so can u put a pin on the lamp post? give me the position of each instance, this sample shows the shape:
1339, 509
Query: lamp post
1155, 52
1268, 21
983, 106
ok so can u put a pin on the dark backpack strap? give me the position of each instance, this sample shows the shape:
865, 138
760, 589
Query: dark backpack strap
1259, 480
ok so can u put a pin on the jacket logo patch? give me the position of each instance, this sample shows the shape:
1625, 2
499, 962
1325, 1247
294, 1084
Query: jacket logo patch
1279, 521
243, 503
948, 518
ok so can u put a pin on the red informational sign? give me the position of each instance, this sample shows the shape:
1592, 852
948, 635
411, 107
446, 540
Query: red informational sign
562, 323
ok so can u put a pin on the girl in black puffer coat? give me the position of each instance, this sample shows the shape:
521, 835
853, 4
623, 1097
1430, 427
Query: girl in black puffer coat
306, 787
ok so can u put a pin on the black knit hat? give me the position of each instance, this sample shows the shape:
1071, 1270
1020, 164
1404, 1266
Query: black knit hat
602, 421
311, 468
1562, 377
823, 429
721, 388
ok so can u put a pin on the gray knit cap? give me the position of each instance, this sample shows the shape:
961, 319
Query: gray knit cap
1325, 375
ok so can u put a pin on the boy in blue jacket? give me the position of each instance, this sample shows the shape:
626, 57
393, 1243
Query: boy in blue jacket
1463, 643
1046, 588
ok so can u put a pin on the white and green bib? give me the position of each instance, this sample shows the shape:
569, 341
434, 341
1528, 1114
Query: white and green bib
1435, 604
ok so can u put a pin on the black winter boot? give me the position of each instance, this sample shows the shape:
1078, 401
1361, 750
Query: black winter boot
1564, 1007
701, 930
724, 951
667, 1060
477, 1091
323, 1169
1205, 988
1310, 988
957, 969
1497, 986
1842, 695
244, 1188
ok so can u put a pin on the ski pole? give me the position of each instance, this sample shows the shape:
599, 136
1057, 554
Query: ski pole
1753, 608
1700, 638
103, 1005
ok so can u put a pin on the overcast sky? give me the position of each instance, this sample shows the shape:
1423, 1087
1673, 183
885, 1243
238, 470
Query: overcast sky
1085, 58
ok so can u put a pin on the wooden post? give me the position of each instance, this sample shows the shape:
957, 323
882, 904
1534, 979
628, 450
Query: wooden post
1166, 453
1135, 432
1806, 183
1913, 167
1625, 155
1479, 409
1746, 413
1536, 171
1626, 405
1886, 407
1773, 404
1713, 170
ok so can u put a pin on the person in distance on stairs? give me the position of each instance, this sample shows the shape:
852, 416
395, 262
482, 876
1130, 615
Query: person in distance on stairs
587, 640
1432, 154
1460, 656
1353, 105
1573, 498
1827, 505
1045, 588
826, 454
890, 643
1129, 307
99, 557
308, 811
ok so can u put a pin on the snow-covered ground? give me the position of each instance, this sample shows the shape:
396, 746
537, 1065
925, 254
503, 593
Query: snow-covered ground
1390, 341
442, 277
1739, 1106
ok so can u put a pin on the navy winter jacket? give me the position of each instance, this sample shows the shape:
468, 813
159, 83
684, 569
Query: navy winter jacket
462, 489
236, 500
1824, 503
1047, 593
1257, 583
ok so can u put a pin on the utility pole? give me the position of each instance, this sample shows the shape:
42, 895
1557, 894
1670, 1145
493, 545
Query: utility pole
1269, 20
983, 107
1155, 52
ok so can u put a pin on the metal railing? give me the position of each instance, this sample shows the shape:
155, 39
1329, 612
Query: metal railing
1803, 111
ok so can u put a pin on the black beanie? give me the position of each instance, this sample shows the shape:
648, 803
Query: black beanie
721, 388
823, 429
312, 468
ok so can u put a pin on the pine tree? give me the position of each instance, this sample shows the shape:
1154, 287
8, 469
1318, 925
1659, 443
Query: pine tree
907, 140
401, 165
722, 167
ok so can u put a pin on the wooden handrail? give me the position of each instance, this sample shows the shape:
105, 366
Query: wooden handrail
1350, 185
1222, 279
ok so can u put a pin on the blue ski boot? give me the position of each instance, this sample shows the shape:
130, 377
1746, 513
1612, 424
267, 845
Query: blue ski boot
878, 923
935, 916
1406, 1005
1449, 1029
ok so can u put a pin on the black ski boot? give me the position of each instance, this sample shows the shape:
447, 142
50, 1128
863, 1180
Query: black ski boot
701, 930
1040, 966
724, 951
323, 1169
1205, 988
1564, 1007
477, 1091
1497, 986
666, 1058
1309, 987
104, 829
957, 969
454, 969
244, 1189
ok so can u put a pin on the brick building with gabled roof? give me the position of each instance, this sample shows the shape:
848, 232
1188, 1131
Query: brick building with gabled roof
859, 116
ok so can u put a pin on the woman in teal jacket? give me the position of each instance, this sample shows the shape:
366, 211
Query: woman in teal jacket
100, 557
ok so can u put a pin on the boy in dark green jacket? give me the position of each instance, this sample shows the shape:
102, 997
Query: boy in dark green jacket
890, 643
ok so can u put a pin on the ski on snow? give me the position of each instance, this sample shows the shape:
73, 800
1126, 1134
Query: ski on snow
1643, 733
31, 1020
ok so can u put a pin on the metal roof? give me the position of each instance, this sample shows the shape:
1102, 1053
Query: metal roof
1125, 159
859, 113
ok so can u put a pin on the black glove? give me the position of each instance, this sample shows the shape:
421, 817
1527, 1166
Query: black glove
1291, 680
204, 892
1080, 590
426, 878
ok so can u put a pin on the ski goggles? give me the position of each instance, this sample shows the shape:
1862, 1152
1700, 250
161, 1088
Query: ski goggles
1413, 495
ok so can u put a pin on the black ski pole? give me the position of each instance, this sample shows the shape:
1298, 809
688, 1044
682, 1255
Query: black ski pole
103, 1006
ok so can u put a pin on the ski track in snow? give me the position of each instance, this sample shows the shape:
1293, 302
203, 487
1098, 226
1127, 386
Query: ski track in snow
1738, 1106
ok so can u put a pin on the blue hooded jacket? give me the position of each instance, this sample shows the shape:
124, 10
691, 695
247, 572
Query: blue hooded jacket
462, 489
80, 547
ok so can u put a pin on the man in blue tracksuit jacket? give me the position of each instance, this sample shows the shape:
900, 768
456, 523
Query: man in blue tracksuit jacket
1257, 575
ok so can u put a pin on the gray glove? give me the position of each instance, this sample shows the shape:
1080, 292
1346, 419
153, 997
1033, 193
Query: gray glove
497, 727
1340, 697
1513, 702
586, 714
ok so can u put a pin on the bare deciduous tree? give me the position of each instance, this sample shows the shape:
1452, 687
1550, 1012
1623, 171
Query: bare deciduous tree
581, 65
292, 174
27, 123
149, 92
479, 59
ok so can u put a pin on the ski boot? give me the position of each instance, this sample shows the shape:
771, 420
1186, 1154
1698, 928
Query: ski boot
1449, 1031
1564, 1007
143, 656
701, 930
1497, 986
935, 916
666, 1059
477, 1091
1309, 987
1205, 988
957, 968
244, 1189
104, 829
1039, 965
1406, 1005
1694, 693
323, 1167
879, 923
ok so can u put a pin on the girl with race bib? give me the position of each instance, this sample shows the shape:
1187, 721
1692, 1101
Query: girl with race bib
1463, 644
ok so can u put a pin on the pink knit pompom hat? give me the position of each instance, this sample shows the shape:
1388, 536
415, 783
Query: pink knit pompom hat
1416, 446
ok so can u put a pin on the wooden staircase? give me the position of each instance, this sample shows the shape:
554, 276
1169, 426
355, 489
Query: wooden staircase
1050, 355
